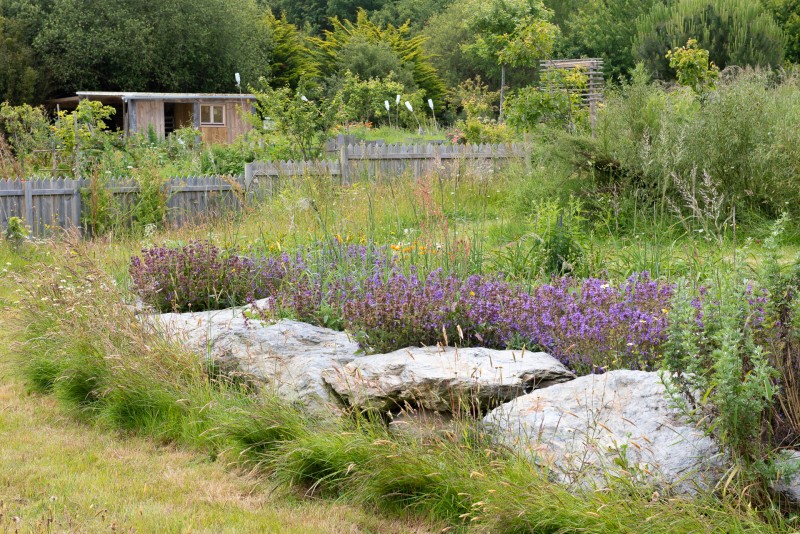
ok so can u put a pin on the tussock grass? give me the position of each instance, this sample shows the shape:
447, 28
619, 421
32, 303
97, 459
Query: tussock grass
58, 474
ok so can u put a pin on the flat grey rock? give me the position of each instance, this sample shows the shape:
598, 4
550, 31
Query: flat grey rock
619, 423
289, 356
443, 379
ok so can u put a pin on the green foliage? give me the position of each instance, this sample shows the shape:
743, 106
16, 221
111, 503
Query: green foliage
331, 49
479, 126
130, 45
26, 128
476, 99
414, 12
510, 32
692, 67
85, 127
720, 367
374, 60
481, 130
782, 330
445, 34
601, 28
289, 58
307, 123
554, 246
364, 99
735, 32
557, 102
19, 77
15, 232
99, 212
654, 141
150, 207
787, 14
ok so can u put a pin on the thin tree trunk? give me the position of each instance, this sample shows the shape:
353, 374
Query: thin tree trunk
502, 89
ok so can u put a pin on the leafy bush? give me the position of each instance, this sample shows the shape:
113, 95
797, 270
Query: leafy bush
557, 102
364, 99
481, 130
692, 67
302, 116
15, 231
554, 246
650, 138
713, 352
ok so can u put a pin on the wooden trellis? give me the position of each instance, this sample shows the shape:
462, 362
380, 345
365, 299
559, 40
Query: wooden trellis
592, 94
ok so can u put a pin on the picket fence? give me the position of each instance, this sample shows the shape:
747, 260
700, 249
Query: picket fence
47, 205
378, 161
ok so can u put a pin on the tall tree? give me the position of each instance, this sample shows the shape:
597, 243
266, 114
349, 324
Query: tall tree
290, 59
19, 77
406, 51
735, 32
512, 32
170, 45
605, 29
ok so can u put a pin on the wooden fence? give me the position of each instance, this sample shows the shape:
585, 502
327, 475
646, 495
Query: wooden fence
387, 161
48, 205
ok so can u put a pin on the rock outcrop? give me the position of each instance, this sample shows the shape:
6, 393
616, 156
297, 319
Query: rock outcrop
443, 379
289, 356
617, 424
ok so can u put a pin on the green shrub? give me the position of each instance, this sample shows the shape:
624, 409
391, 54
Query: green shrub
651, 139
735, 32
15, 232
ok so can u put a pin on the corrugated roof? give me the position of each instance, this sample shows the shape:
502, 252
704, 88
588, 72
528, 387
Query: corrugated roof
163, 96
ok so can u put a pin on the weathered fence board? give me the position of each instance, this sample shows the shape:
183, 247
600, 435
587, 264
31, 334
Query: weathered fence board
49, 204
389, 160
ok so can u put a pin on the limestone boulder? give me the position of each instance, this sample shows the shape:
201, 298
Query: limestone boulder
443, 379
621, 423
288, 356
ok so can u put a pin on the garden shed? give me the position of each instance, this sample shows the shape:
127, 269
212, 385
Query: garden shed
219, 117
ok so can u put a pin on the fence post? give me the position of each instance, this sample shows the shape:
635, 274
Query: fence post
343, 170
76, 204
29, 203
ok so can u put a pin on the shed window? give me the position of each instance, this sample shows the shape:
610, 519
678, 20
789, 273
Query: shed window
212, 115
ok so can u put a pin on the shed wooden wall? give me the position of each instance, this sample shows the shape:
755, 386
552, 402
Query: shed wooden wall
150, 112
235, 124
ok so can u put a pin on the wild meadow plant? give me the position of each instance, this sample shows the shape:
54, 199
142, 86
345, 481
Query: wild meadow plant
201, 276
91, 352
591, 325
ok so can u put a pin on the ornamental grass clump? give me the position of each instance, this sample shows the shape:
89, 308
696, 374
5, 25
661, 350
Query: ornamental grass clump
201, 276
